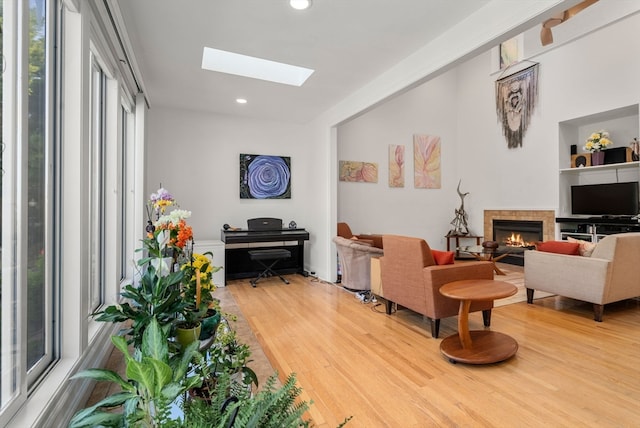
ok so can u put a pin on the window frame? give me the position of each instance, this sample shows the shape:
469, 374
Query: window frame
18, 379
50, 398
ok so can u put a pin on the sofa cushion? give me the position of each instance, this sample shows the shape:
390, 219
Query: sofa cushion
443, 257
586, 247
560, 247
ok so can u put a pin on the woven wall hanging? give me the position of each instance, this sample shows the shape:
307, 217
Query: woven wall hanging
516, 97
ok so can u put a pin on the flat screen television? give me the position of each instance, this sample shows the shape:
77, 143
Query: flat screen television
605, 199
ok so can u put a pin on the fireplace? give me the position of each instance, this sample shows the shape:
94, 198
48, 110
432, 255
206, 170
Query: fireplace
517, 233
525, 218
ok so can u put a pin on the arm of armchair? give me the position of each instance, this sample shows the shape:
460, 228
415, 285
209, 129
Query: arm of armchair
577, 277
373, 240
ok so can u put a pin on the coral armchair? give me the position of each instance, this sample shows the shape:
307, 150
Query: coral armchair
412, 279
345, 231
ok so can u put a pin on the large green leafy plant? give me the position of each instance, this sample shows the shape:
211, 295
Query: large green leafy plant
156, 297
154, 381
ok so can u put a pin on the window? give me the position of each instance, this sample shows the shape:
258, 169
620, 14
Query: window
97, 173
27, 199
122, 185
69, 180
39, 303
125, 148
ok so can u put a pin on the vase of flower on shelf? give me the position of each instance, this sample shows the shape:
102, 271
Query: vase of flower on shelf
597, 143
597, 158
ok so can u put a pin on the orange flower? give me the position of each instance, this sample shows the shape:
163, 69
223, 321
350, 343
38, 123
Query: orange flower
184, 234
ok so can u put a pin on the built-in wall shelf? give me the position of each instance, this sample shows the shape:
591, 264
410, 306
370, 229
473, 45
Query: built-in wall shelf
624, 165
623, 125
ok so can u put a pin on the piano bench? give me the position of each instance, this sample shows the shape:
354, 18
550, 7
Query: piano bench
267, 259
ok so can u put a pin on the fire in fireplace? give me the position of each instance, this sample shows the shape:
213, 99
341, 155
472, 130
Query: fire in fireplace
517, 233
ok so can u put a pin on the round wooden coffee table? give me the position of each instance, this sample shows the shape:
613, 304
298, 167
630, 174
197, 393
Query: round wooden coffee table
483, 346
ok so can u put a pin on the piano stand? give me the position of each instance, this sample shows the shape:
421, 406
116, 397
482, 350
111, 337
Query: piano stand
263, 257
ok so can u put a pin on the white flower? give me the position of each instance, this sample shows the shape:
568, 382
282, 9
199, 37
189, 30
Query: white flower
163, 238
173, 217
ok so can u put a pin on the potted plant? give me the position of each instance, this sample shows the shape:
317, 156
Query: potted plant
157, 296
155, 379
198, 288
179, 235
596, 144
159, 292
271, 407
226, 356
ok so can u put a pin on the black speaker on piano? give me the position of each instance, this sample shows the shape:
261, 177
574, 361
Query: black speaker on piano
264, 223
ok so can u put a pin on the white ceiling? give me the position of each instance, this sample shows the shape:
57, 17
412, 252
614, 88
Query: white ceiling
346, 42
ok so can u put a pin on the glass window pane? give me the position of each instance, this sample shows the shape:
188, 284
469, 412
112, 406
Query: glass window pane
3, 378
37, 309
97, 177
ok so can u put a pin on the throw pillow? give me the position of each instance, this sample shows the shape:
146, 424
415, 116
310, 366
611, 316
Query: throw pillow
586, 247
560, 247
443, 257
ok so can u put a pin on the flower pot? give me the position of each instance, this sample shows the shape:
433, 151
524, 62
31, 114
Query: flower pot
210, 324
597, 158
186, 335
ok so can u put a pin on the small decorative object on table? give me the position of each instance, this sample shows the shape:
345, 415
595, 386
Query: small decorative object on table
490, 244
459, 223
635, 150
596, 144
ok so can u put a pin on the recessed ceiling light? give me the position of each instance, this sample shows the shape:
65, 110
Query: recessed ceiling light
300, 4
241, 101
256, 68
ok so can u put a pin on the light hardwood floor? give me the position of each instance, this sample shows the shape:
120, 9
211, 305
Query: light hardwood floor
352, 359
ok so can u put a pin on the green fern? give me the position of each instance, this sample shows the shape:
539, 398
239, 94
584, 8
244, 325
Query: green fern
274, 407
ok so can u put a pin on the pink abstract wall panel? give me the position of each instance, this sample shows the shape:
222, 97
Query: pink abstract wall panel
426, 162
366, 172
396, 166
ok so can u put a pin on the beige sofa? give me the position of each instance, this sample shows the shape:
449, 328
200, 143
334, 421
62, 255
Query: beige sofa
611, 273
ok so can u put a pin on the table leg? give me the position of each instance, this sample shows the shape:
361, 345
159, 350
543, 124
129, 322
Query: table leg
488, 258
463, 324
495, 259
497, 269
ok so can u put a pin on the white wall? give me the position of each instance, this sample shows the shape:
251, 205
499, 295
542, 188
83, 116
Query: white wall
377, 208
587, 76
594, 73
214, 143
195, 156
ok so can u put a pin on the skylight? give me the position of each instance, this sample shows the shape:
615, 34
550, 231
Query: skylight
256, 68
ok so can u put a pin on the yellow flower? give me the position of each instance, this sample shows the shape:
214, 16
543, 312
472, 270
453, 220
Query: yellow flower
202, 264
598, 141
